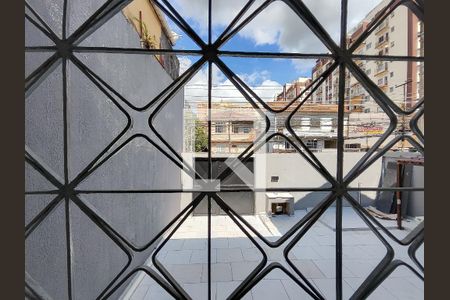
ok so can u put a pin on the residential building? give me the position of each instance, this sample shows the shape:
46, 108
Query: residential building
396, 35
293, 90
315, 124
234, 125
327, 92
399, 34
154, 32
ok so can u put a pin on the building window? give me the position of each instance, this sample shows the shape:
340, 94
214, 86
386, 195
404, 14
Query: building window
312, 144
353, 146
392, 28
391, 74
219, 127
288, 145
392, 44
239, 128
368, 46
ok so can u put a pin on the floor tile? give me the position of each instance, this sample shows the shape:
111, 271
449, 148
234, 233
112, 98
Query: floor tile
252, 254
328, 288
219, 272
201, 256
308, 268
224, 289
194, 244
304, 252
219, 243
234, 257
269, 290
174, 257
328, 268
199, 291
294, 291
188, 273
229, 255
241, 270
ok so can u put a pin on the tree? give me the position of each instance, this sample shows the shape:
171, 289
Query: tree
201, 138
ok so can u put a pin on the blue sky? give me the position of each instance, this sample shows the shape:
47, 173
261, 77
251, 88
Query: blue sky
281, 70
276, 29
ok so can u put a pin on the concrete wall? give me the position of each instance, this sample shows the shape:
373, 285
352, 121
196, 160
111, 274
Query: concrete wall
294, 171
93, 122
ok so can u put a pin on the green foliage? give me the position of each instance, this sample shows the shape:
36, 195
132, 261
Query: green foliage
150, 41
201, 138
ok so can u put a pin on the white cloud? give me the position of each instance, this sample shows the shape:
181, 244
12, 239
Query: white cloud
223, 89
278, 24
304, 66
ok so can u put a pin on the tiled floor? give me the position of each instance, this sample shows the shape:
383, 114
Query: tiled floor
234, 256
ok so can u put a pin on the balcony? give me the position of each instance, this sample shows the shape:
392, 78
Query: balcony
381, 68
382, 43
382, 27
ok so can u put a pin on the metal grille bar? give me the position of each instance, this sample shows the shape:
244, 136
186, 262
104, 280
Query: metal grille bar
210, 54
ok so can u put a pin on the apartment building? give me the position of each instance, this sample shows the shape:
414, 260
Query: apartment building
293, 90
327, 92
403, 82
399, 35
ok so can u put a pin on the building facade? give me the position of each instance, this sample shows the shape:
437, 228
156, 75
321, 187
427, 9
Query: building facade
154, 32
315, 124
293, 90
234, 125
399, 34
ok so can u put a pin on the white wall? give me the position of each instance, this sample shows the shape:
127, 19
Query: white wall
294, 171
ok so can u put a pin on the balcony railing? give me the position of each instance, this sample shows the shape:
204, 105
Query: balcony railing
381, 68
382, 43
382, 26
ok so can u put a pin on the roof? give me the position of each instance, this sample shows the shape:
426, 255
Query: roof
306, 107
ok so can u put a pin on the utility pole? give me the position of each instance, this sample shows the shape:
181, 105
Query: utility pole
402, 130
